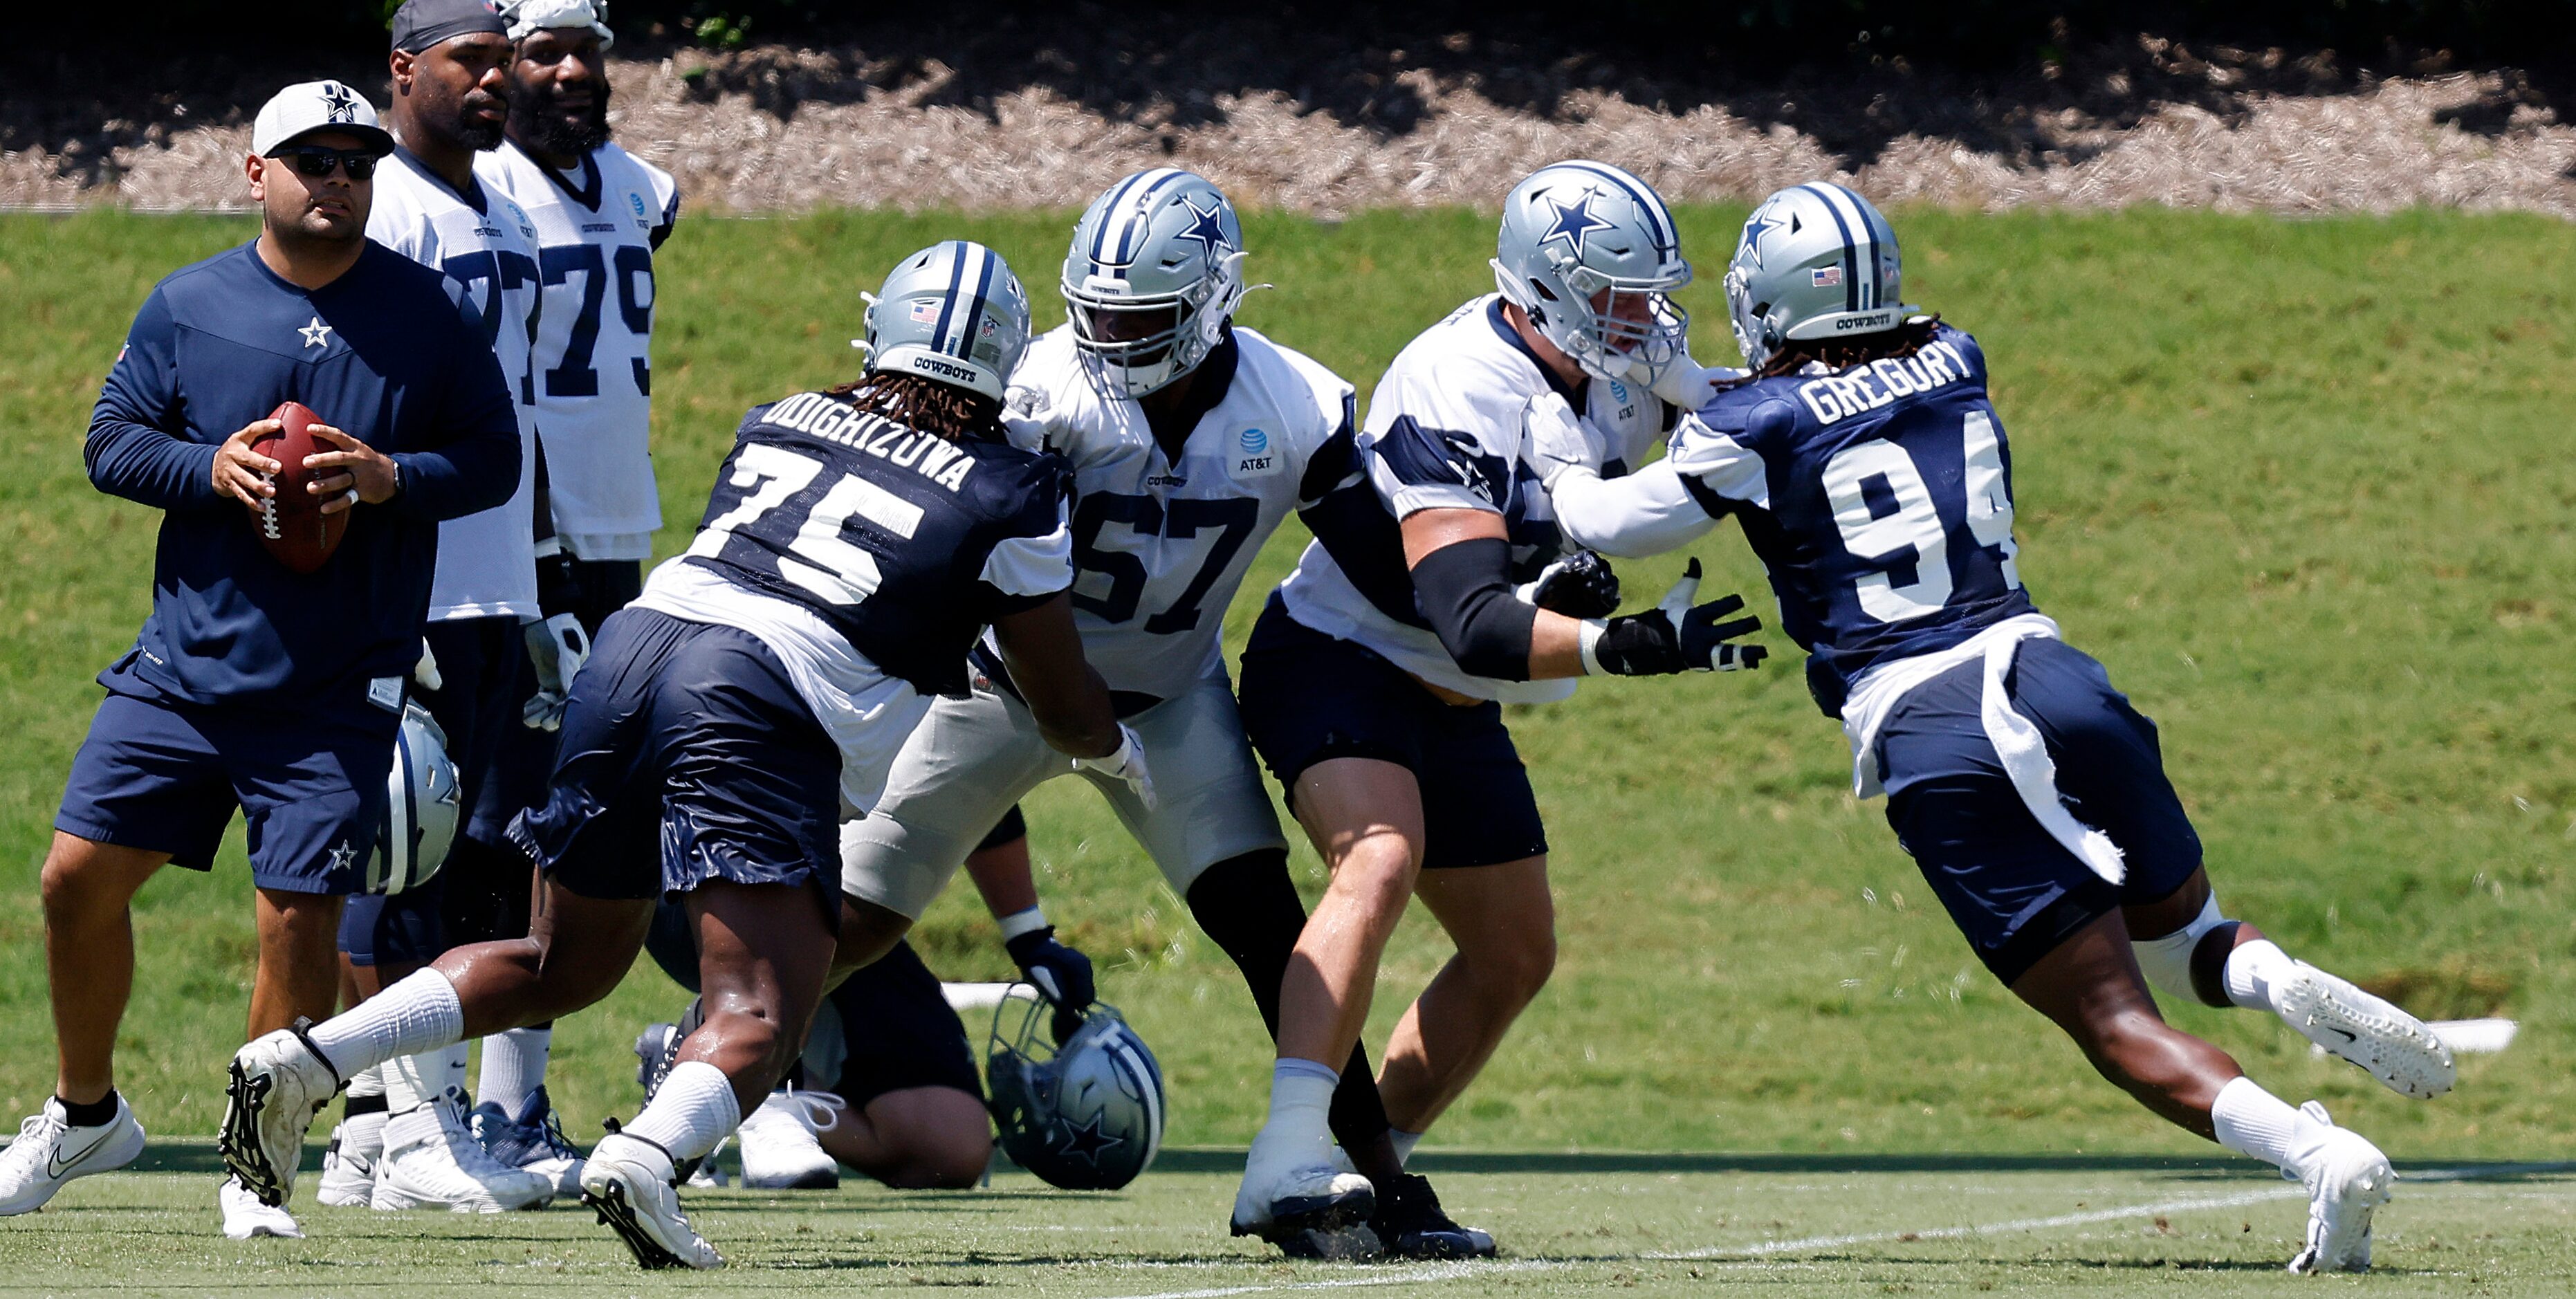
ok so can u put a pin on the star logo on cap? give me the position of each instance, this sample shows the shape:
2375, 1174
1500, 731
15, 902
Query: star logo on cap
1088, 1143
316, 334
1574, 221
342, 105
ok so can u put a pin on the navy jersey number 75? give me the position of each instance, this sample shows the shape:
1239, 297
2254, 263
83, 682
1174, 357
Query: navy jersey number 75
1889, 532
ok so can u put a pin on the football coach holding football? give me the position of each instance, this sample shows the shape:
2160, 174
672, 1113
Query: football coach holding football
253, 685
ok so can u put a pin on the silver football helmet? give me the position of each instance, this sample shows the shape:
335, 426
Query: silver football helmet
423, 802
1154, 273
1086, 1115
1591, 254
1815, 261
951, 312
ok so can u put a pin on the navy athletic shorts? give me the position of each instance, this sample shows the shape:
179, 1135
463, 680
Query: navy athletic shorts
686, 755
2012, 888
590, 590
895, 1031
164, 775
481, 664
1308, 697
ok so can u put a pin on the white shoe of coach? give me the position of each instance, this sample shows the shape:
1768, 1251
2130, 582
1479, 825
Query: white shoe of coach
50, 1151
779, 1151
432, 1162
245, 1216
349, 1173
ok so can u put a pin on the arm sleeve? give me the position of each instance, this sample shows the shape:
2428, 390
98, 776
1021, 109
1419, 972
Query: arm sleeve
1646, 513
136, 446
1466, 594
1034, 563
476, 467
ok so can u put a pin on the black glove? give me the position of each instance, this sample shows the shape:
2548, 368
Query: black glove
1678, 636
1060, 974
1580, 585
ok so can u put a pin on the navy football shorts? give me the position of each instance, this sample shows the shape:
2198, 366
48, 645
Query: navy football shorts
482, 671
164, 775
895, 1028
2012, 888
686, 755
1309, 697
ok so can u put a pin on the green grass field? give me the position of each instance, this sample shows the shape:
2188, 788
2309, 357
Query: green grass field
2301, 485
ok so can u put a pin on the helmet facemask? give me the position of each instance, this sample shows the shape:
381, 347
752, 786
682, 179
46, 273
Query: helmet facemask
1614, 328
1133, 346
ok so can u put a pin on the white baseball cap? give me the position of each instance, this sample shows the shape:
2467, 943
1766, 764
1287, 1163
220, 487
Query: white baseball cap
309, 106
526, 16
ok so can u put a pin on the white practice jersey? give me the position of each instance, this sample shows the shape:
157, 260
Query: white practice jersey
1162, 545
487, 562
1445, 431
596, 232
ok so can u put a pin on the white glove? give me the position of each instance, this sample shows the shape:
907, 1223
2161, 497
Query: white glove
1559, 440
1127, 763
425, 673
558, 647
1688, 385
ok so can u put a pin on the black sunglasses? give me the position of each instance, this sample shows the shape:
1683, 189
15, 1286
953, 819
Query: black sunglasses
318, 161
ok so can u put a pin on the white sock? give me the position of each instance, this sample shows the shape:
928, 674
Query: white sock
363, 1134
514, 1067
2251, 970
2254, 1122
1301, 1105
693, 1111
417, 1013
412, 1081
1404, 1143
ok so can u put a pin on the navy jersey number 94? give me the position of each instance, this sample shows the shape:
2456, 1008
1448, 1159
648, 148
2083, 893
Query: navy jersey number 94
1889, 532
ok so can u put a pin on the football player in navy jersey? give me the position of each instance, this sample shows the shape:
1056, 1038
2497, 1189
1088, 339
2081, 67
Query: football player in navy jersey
1873, 479
857, 542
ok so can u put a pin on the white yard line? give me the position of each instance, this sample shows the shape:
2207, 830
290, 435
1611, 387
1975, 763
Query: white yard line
1434, 1273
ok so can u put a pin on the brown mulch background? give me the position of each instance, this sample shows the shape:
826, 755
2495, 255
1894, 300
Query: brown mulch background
1023, 114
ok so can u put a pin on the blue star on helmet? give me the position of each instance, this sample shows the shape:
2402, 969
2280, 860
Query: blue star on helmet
343, 105
1087, 1142
1761, 224
1208, 228
1574, 221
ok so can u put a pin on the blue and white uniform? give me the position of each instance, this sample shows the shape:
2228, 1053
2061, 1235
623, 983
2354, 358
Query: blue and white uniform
1160, 544
761, 686
1880, 500
252, 685
1338, 664
487, 576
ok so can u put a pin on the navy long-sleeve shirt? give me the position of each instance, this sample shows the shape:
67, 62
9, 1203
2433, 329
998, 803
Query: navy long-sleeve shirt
384, 353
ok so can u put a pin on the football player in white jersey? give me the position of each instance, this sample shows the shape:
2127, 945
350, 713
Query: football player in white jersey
1191, 438
404, 1142
599, 213
1374, 681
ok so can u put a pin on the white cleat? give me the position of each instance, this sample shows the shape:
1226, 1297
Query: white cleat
277, 1085
245, 1216
2398, 1049
628, 1180
431, 1162
49, 1151
349, 1173
779, 1151
2347, 1180
1284, 1207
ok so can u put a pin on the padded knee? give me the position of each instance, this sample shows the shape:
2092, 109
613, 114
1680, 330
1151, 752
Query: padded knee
2166, 961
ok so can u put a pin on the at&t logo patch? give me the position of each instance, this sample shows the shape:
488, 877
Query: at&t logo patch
1253, 456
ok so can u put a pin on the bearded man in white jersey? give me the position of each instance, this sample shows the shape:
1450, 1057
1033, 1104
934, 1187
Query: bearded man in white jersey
599, 213
404, 1143
1192, 438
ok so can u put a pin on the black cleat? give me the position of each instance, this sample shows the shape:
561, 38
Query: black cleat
1409, 1224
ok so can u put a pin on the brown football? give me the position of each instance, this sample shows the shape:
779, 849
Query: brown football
291, 523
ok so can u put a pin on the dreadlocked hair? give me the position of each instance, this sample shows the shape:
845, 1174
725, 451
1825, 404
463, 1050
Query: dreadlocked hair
920, 402
1844, 353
